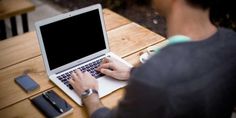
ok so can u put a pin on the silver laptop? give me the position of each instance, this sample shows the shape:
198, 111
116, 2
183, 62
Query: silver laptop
76, 40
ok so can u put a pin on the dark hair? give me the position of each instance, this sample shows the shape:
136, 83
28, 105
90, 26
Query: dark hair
204, 4
221, 11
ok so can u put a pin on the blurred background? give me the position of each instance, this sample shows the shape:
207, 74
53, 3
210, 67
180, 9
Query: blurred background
139, 11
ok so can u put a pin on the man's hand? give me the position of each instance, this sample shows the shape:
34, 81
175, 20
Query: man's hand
114, 68
81, 82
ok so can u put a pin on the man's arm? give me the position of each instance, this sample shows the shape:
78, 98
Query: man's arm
140, 100
144, 96
82, 82
92, 103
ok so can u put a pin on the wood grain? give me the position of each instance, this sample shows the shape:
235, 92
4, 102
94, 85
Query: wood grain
113, 20
131, 38
23, 109
10, 92
18, 49
9, 8
134, 58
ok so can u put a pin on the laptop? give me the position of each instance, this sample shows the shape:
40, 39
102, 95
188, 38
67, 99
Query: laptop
76, 40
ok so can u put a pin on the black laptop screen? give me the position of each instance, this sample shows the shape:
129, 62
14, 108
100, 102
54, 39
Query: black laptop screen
73, 38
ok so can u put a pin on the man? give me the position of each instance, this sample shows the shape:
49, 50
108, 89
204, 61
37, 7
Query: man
195, 79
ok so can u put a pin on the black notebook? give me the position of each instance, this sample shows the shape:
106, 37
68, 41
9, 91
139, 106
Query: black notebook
52, 105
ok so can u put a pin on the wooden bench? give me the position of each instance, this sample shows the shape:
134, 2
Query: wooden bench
10, 9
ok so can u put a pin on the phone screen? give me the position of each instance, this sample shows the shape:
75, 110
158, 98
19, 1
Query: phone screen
27, 83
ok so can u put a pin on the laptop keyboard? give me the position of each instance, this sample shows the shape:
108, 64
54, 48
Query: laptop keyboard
89, 68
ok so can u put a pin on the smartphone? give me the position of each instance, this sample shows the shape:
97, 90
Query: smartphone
26, 83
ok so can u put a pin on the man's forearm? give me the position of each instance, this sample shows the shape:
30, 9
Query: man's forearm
92, 103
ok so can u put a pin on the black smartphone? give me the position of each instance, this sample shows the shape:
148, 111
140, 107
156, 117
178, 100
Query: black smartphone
26, 83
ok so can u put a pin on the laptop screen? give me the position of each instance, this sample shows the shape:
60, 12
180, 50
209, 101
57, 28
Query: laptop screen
73, 38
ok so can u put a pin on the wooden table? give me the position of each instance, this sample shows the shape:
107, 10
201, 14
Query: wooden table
12, 8
21, 54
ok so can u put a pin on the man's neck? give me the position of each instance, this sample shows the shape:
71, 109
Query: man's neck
191, 22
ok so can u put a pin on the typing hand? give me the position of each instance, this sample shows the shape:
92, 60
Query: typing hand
82, 81
114, 68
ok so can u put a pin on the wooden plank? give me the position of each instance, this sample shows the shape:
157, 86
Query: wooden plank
23, 109
10, 92
9, 8
113, 99
131, 38
134, 58
114, 20
18, 49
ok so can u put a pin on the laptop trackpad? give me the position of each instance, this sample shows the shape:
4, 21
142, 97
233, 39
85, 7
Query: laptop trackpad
108, 85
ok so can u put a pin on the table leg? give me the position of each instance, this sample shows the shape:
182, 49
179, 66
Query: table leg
25, 22
3, 33
13, 26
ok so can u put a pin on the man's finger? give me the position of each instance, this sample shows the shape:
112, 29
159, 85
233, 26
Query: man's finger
73, 75
105, 60
106, 65
79, 73
71, 81
107, 72
87, 74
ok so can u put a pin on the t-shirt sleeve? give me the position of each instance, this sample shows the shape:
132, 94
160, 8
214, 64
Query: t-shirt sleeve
101, 113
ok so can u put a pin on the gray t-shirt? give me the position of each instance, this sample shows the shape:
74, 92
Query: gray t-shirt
185, 80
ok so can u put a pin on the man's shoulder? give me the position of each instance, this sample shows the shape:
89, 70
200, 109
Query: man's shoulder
227, 32
178, 61
162, 67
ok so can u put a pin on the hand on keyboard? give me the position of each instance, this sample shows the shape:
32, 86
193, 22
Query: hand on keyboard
91, 68
82, 81
114, 68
